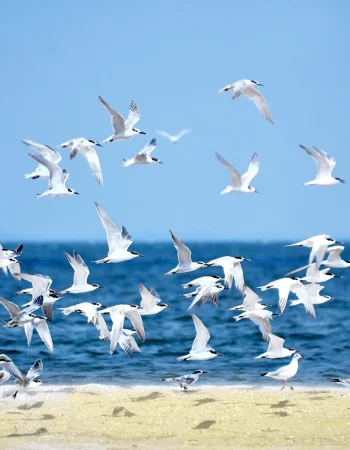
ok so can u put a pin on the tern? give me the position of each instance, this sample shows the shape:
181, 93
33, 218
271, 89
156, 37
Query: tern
30, 380
150, 302
247, 88
43, 331
81, 274
85, 147
343, 381
49, 153
251, 302
313, 291
261, 318
240, 183
184, 256
200, 350
202, 281
123, 129
334, 260
89, 310
185, 380
20, 317
325, 165
8, 366
128, 343
232, 269
275, 349
205, 293
286, 372
118, 314
118, 240
143, 156
174, 139
313, 275
57, 180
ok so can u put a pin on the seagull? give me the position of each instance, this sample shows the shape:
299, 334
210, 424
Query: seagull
30, 380
313, 291
247, 88
318, 245
261, 318
128, 343
123, 129
185, 380
174, 138
232, 269
143, 156
313, 275
325, 165
8, 366
334, 260
344, 381
205, 293
41, 286
240, 183
118, 240
287, 285
251, 302
184, 257
85, 147
202, 281
200, 350
43, 331
89, 310
275, 349
286, 372
18, 317
150, 302
49, 153
118, 314
57, 181
81, 273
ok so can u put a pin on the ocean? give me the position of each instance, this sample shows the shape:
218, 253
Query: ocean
80, 357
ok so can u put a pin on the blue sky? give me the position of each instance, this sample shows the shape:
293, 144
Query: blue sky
171, 58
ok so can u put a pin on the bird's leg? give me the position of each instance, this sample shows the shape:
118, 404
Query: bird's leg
283, 385
15, 395
185, 388
291, 387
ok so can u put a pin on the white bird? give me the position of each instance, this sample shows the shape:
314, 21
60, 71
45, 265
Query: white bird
313, 291
247, 88
43, 331
143, 156
174, 138
334, 260
251, 301
318, 245
7, 365
325, 165
232, 269
313, 275
57, 181
150, 302
123, 129
275, 349
205, 293
286, 372
85, 147
81, 274
118, 240
200, 350
287, 285
240, 183
185, 380
261, 318
128, 343
30, 380
118, 314
49, 153
184, 257
89, 310
344, 381
8, 260
202, 281
20, 317
4, 376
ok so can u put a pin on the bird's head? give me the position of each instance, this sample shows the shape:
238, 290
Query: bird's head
156, 160
298, 356
94, 143
97, 286
137, 254
214, 352
72, 191
340, 180
136, 130
199, 372
256, 83
99, 305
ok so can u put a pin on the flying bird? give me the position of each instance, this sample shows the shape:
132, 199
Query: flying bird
276, 349
174, 138
143, 156
49, 153
240, 183
150, 302
184, 257
325, 165
30, 379
81, 274
232, 269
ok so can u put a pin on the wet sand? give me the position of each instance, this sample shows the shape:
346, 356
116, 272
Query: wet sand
105, 417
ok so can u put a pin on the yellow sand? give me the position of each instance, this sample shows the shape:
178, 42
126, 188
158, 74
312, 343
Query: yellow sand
98, 417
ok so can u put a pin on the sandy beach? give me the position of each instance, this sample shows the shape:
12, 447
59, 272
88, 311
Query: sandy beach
104, 417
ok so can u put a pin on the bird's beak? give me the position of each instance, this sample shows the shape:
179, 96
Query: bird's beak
257, 192
102, 306
220, 354
246, 259
142, 256
259, 84
338, 242
142, 132
203, 371
77, 193
226, 287
160, 162
208, 265
302, 357
101, 287
99, 145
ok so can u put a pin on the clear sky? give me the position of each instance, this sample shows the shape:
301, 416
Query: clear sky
171, 58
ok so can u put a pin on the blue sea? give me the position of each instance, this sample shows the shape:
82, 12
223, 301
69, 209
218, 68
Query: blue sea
80, 357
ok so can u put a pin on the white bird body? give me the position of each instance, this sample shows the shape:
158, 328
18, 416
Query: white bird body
30, 379
185, 380
313, 291
251, 302
247, 89
313, 275
128, 343
200, 350
334, 260
85, 147
150, 302
232, 269
286, 372
276, 349
261, 318
81, 274
174, 139
20, 317
240, 183
49, 153
43, 331
9, 367
205, 293
202, 281
325, 165
144, 156
184, 257
118, 240
123, 129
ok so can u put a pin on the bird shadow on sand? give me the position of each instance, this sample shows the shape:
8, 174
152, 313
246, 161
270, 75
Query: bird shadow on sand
145, 398
204, 401
120, 411
205, 425
26, 407
281, 404
38, 432
320, 398
278, 413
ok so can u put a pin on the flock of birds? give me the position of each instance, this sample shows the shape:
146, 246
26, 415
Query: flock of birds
207, 288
